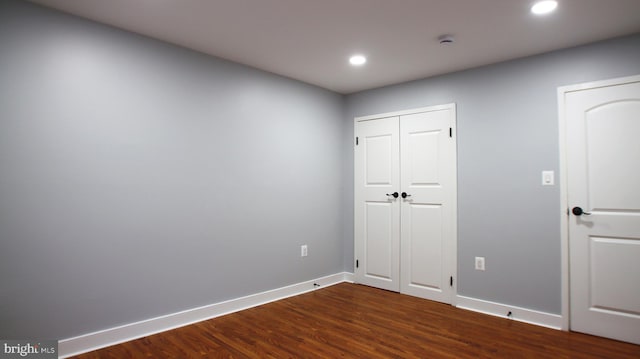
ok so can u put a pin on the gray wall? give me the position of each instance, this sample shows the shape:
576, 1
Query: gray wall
139, 179
507, 134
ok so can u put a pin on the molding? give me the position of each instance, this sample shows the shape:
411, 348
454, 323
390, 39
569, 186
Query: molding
104, 338
553, 321
112, 336
407, 112
599, 83
564, 208
349, 277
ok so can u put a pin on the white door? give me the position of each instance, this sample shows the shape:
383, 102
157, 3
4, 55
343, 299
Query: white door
428, 179
406, 244
603, 182
377, 210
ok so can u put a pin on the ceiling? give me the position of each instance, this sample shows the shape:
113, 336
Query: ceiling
312, 40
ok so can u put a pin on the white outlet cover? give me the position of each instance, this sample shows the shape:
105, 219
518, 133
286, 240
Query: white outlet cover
479, 263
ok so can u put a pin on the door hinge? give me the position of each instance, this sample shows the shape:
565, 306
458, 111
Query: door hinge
450, 132
451, 281
357, 263
356, 141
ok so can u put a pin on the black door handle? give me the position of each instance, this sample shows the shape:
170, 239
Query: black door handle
405, 195
579, 212
394, 194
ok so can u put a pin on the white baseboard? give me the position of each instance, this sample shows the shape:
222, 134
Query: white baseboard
104, 338
112, 336
548, 320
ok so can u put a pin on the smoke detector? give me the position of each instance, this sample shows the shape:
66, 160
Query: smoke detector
445, 39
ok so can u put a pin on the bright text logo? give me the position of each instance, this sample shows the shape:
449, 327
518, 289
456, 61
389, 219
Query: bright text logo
28, 349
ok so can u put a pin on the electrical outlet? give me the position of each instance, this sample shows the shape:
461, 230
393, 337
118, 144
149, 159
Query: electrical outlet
479, 263
303, 251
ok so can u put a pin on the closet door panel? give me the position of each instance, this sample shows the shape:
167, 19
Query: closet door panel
377, 212
427, 181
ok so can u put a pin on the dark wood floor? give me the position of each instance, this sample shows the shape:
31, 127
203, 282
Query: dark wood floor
349, 320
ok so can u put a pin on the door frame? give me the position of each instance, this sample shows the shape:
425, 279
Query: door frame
453, 259
564, 184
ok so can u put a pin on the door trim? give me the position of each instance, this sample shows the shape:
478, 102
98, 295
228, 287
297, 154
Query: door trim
564, 185
405, 112
453, 260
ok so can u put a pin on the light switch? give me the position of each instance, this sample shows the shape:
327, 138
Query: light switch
547, 178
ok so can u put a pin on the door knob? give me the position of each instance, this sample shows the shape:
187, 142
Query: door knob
405, 195
394, 194
579, 212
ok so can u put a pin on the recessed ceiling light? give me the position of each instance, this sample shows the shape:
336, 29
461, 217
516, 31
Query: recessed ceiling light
357, 60
544, 7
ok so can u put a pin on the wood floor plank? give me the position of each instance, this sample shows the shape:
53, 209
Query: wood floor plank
354, 321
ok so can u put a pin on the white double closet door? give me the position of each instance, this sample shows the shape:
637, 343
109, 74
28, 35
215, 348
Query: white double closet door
405, 202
